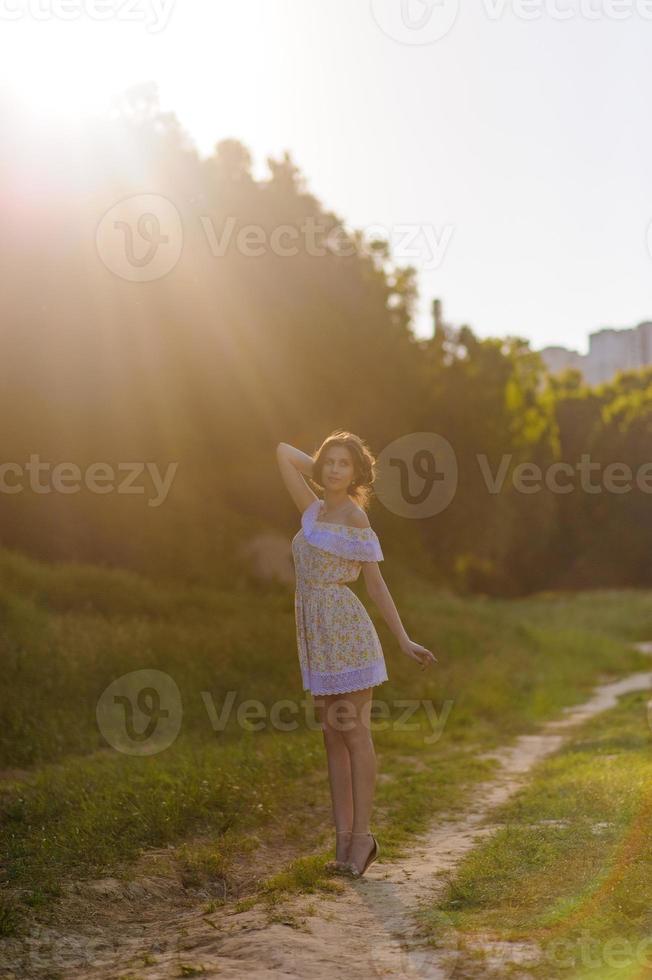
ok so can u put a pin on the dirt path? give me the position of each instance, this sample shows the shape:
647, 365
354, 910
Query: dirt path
368, 927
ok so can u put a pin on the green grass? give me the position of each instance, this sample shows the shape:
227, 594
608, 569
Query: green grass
568, 874
81, 808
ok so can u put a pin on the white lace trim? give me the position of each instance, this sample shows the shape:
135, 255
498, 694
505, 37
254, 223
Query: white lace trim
354, 543
341, 682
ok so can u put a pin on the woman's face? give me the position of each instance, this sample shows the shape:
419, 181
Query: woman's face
337, 469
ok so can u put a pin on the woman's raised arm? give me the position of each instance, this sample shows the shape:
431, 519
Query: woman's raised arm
293, 463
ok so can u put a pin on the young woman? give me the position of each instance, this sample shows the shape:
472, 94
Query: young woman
340, 655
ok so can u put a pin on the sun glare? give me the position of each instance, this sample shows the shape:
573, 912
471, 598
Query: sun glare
60, 70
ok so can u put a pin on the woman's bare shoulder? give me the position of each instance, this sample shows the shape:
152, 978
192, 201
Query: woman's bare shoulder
357, 517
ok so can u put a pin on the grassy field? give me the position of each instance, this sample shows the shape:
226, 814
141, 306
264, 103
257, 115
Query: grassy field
71, 806
566, 881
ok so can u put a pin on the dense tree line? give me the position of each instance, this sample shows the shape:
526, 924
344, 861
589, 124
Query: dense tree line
248, 341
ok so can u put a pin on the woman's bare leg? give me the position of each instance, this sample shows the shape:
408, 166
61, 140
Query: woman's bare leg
339, 771
359, 742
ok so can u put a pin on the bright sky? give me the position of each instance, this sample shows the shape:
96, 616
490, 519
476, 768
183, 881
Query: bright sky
508, 159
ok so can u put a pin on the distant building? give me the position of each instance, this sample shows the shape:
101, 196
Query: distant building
557, 359
610, 350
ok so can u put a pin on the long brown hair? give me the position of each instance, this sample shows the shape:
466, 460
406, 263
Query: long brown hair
364, 464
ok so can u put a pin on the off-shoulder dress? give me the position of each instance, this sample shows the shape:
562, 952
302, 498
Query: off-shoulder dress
339, 648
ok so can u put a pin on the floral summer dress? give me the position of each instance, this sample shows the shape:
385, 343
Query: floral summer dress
339, 649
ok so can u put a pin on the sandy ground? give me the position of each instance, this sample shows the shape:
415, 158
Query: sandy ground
368, 927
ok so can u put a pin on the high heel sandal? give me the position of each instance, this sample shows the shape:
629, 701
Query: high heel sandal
338, 865
372, 856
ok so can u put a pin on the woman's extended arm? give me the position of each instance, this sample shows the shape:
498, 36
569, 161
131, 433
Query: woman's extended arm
380, 594
292, 463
